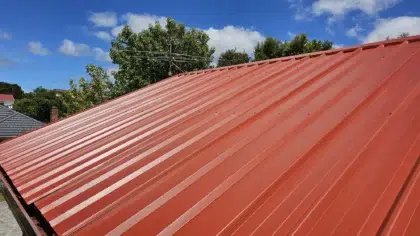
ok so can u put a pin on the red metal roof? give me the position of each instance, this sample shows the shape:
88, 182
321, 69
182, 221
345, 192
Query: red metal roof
322, 143
6, 97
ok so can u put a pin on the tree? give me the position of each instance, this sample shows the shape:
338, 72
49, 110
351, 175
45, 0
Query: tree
100, 85
402, 35
88, 92
28, 107
270, 48
297, 46
143, 57
232, 57
38, 104
12, 89
273, 48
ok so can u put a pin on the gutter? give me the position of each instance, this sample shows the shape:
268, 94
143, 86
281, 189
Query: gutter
26, 223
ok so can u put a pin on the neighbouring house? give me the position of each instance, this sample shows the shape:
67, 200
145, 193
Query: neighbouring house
13, 123
7, 100
59, 91
325, 143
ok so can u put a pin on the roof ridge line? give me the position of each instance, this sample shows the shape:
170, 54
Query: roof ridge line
312, 54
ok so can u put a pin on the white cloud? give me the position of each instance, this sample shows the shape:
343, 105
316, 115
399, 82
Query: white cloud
117, 30
302, 12
355, 31
352, 32
104, 19
139, 22
70, 48
290, 34
335, 10
330, 30
393, 27
103, 35
110, 72
36, 48
335, 46
5, 35
101, 55
341, 7
231, 37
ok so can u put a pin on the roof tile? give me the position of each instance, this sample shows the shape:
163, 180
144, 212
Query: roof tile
13, 123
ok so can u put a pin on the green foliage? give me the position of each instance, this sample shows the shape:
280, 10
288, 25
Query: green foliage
144, 58
232, 57
79, 97
270, 48
14, 89
38, 104
28, 107
88, 93
273, 48
403, 35
301, 44
133, 53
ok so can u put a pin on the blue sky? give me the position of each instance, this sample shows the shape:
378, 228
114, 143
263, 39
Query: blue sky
45, 43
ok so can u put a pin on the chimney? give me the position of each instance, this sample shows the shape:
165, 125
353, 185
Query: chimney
54, 114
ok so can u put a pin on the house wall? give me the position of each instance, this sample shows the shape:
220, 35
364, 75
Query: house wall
8, 104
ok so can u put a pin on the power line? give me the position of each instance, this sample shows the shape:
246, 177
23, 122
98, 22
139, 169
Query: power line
178, 68
162, 53
186, 55
178, 59
169, 57
140, 51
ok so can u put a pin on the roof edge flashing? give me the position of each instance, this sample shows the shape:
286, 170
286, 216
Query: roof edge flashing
29, 225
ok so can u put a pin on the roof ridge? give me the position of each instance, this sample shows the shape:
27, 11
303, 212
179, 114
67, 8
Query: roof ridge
409, 39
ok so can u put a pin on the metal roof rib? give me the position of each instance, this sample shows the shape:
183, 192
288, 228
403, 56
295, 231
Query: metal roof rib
320, 143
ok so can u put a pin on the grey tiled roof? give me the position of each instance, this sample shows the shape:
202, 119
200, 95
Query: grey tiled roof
13, 123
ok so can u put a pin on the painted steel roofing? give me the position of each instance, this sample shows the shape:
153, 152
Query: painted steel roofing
6, 97
13, 123
323, 143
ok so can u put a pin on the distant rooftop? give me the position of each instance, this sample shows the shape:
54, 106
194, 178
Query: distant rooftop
6, 97
13, 123
60, 90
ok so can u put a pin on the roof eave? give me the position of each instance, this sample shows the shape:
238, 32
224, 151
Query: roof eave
25, 222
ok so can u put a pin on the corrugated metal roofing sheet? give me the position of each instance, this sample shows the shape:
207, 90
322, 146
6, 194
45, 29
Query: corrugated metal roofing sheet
323, 143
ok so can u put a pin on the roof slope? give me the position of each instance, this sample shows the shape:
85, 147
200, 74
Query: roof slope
13, 123
323, 143
6, 97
